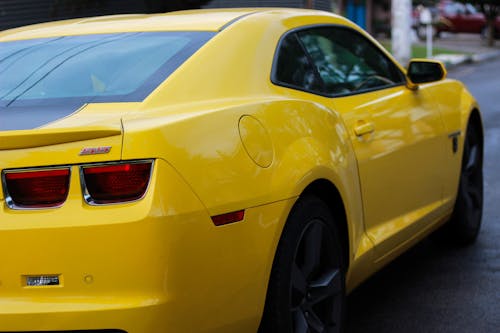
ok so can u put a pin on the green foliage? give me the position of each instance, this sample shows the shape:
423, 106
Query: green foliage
419, 51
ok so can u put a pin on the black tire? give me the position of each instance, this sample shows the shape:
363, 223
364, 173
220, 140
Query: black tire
306, 292
465, 223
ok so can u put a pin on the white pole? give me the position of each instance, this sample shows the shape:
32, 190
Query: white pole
426, 18
401, 30
429, 40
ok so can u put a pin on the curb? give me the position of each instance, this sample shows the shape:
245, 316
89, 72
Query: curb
485, 56
454, 60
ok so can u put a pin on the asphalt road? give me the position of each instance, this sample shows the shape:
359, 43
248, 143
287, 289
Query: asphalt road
436, 288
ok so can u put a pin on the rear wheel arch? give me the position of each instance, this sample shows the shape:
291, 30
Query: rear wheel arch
476, 121
330, 195
464, 224
473, 119
311, 291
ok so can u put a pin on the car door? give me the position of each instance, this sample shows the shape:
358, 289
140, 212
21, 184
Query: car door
396, 133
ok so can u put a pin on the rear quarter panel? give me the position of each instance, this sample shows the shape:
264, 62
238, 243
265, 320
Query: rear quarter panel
307, 142
228, 78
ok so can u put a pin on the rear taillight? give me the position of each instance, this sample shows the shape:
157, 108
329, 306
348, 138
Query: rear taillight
115, 183
36, 188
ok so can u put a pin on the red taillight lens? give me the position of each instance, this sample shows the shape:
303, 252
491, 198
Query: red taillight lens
115, 183
37, 189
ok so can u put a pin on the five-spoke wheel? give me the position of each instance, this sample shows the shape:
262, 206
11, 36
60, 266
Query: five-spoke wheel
306, 292
316, 281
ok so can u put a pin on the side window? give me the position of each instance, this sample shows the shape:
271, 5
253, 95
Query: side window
347, 62
460, 9
293, 67
450, 9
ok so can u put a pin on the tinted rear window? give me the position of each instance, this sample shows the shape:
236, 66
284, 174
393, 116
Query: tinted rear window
123, 67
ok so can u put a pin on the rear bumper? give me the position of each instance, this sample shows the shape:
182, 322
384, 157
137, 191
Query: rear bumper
79, 315
156, 265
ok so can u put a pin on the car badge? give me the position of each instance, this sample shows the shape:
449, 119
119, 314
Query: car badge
95, 150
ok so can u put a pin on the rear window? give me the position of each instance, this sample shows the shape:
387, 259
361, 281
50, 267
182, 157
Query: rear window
124, 67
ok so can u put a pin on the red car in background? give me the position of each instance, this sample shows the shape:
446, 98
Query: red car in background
459, 17
456, 17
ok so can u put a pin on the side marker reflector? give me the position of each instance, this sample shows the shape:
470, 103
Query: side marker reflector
227, 218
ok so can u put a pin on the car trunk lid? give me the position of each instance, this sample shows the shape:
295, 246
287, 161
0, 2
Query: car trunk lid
92, 134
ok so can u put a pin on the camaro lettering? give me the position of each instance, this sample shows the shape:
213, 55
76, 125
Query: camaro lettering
95, 150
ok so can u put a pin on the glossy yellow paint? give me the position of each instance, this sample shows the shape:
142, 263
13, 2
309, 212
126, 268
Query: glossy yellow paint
256, 140
132, 265
177, 21
406, 131
46, 137
223, 138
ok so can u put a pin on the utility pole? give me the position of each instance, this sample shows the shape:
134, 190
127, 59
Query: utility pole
401, 30
309, 4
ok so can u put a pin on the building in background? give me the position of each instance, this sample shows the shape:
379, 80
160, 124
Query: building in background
316, 4
359, 11
373, 16
14, 13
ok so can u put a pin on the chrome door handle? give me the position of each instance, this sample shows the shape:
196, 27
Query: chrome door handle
363, 128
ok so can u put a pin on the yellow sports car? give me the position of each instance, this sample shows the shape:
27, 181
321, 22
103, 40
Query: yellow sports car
219, 170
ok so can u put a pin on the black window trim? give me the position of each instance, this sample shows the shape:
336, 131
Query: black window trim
310, 59
295, 32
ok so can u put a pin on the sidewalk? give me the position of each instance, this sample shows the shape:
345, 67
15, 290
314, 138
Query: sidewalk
469, 47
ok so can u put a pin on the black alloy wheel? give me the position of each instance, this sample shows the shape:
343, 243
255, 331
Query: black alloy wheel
463, 228
316, 281
307, 288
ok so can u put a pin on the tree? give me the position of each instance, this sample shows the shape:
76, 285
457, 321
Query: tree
401, 30
490, 9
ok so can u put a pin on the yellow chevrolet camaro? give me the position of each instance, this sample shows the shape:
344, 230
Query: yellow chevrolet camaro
219, 171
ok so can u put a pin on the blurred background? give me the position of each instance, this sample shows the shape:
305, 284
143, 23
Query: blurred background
372, 15
451, 31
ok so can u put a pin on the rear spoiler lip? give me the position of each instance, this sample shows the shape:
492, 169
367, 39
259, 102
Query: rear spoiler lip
21, 139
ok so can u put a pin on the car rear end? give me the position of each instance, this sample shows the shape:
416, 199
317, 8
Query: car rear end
129, 201
88, 236
88, 245
105, 234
